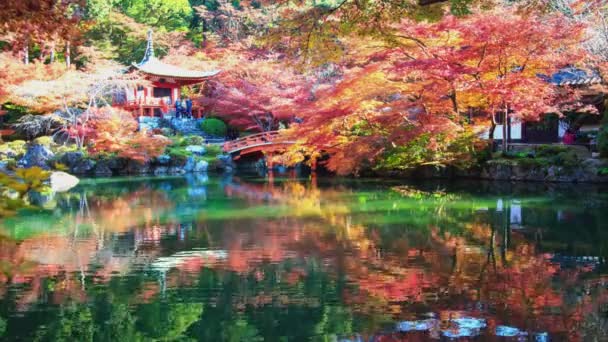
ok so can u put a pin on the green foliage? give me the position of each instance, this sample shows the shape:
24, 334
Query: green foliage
19, 147
74, 323
167, 321
44, 141
213, 149
193, 140
169, 14
62, 149
548, 151
14, 188
542, 156
14, 112
214, 127
460, 7
568, 159
178, 154
432, 150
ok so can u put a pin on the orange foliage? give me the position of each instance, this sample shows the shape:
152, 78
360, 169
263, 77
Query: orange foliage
115, 131
434, 77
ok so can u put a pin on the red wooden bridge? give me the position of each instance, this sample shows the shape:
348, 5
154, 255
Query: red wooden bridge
265, 142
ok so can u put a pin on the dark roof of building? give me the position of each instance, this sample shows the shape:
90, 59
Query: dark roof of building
574, 76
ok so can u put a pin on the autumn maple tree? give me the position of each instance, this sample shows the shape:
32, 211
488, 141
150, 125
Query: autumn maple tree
115, 131
254, 90
420, 100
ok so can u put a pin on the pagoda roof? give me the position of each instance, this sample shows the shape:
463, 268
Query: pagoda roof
153, 66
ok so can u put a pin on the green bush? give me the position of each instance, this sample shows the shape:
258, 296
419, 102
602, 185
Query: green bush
61, 149
214, 150
550, 151
17, 146
532, 163
214, 127
178, 154
566, 159
194, 140
45, 141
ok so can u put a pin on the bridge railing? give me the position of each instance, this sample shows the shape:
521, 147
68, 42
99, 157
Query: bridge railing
251, 140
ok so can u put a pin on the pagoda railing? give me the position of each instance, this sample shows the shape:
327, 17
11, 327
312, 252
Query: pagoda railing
139, 107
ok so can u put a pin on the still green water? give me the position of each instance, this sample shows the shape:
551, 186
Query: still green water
237, 259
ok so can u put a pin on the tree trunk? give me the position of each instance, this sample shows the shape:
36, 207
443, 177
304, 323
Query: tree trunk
204, 34
68, 52
505, 137
52, 54
491, 132
26, 53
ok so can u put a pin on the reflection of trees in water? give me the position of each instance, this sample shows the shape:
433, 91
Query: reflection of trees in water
337, 262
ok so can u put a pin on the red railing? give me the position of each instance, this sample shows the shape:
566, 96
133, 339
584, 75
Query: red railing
264, 138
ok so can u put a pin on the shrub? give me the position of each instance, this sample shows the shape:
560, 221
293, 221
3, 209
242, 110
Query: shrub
61, 149
567, 159
45, 141
178, 154
214, 150
214, 127
194, 140
550, 151
17, 146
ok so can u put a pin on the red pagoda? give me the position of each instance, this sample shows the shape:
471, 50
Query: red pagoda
166, 81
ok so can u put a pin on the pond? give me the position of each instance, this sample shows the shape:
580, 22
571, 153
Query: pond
223, 258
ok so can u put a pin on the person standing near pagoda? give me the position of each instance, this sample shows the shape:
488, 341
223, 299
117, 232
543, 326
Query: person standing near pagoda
189, 107
178, 108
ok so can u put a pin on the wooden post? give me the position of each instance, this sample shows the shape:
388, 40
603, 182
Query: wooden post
269, 167
505, 133
26, 53
52, 53
68, 61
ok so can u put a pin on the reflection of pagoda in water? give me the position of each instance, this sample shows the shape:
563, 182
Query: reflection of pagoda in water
159, 96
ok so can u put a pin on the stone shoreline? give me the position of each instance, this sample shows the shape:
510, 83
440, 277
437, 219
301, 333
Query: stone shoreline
588, 171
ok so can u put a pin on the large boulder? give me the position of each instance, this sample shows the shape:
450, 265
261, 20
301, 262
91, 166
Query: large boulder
36, 155
137, 168
70, 159
163, 159
201, 166
118, 165
224, 162
83, 167
196, 149
176, 170
62, 182
103, 169
161, 170
77, 163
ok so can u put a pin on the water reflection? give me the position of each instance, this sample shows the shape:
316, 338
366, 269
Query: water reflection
243, 260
